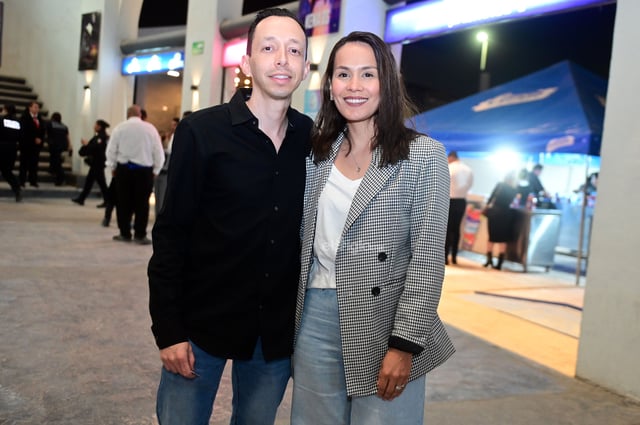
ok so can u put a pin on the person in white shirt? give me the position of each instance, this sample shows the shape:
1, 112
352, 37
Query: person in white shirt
135, 155
461, 181
160, 185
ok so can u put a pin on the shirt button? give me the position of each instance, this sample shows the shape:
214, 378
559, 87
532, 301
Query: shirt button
266, 275
375, 291
277, 173
275, 208
382, 256
272, 242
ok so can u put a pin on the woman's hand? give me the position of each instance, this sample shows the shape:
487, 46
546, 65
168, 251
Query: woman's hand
394, 373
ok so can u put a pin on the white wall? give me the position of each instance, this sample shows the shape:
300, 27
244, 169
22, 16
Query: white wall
41, 43
610, 336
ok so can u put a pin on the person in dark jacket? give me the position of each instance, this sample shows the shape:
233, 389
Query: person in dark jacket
58, 141
93, 152
9, 135
32, 131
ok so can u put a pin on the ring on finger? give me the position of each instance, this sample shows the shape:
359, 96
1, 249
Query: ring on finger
400, 387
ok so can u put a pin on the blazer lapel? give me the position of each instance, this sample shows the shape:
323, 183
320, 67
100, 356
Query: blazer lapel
373, 181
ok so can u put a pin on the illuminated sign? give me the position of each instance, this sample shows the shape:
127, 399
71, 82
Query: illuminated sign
430, 18
153, 63
233, 52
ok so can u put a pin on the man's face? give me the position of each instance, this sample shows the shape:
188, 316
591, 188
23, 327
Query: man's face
277, 63
34, 108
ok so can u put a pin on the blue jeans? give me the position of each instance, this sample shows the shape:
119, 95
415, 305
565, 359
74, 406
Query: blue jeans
319, 387
258, 388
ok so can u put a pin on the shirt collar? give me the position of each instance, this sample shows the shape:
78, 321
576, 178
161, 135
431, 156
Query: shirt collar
240, 112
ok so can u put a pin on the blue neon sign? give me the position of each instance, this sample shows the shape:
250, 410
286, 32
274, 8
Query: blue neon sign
153, 63
433, 17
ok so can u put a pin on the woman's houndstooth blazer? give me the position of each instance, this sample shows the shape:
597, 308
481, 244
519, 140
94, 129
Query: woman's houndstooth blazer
390, 261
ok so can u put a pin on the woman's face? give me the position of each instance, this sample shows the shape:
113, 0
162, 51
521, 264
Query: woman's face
355, 83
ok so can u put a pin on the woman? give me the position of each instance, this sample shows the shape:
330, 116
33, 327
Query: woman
376, 208
500, 218
93, 152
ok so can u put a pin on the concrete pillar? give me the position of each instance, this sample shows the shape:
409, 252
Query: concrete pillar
610, 335
204, 69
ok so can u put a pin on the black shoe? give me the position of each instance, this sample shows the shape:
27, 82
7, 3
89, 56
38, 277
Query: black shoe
18, 196
78, 201
34, 184
454, 260
121, 238
142, 241
105, 222
102, 205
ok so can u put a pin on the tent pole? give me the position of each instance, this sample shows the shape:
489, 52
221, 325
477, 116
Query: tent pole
582, 220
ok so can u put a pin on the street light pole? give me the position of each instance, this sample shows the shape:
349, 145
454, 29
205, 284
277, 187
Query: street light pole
483, 38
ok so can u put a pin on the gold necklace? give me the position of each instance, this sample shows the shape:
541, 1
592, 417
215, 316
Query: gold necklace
348, 152
356, 162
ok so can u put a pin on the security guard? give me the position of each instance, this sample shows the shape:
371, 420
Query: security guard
9, 135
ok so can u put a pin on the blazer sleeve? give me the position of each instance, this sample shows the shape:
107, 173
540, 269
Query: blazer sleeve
416, 314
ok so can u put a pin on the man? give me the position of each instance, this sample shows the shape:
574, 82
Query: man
58, 141
9, 135
135, 155
461, 181
31, 137
224, 271
535, 186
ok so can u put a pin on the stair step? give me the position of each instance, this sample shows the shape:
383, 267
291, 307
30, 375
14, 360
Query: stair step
19, 94
16, 87
12, 79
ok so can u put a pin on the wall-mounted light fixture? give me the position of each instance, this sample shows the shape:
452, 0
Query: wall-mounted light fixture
86, 87
194, 87
314, 67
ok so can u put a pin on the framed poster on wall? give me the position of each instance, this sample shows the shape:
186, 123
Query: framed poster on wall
89, 41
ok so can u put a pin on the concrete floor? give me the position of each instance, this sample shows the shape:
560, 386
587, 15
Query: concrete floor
77, 348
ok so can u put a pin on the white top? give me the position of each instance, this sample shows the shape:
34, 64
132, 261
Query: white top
461, 179
333, 208
135, 141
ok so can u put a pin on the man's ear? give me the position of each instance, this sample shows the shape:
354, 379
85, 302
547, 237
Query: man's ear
245, 66
307, 67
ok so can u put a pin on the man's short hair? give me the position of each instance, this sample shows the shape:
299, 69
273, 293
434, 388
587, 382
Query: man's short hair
274, 11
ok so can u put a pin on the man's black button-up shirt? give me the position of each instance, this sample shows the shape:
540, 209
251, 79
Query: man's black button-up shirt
225, 264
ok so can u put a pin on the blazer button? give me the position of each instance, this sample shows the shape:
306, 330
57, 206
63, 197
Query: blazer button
382, 256
375, 291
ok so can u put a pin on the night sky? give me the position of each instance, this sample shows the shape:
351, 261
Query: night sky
442, 69
446, 68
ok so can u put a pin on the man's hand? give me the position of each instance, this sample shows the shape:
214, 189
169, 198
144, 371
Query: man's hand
178, 358
394, 373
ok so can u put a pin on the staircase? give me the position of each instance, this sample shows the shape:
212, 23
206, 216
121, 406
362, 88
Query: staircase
15, 90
